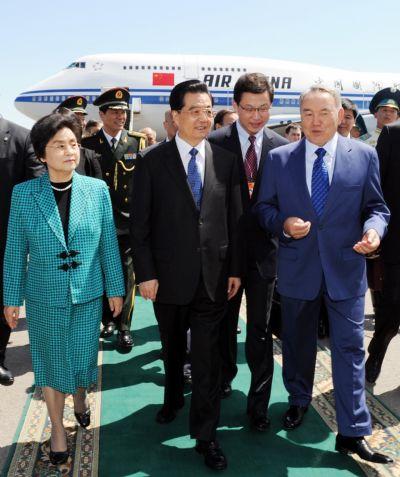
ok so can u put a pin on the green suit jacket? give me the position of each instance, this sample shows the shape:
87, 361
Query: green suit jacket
84, 267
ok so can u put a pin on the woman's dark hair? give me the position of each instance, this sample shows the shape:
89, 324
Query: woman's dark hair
48, 126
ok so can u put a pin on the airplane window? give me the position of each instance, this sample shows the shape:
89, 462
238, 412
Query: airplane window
143, 67
238, 69
232, 69
161, 67
179, 68
167, 67
202, 68
149, 67
221, 69
172, 67
72, 65
209, 69
136, 67
154, 67
244, 69
82, 64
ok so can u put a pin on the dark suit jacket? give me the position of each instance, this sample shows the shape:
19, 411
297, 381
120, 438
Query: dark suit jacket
174, 242
89, 164
260, 246
388, 149
17, 164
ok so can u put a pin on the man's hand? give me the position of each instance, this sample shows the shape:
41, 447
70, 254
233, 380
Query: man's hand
12, 314
149, 289
115, 303
296, 227
369, 243
233, 286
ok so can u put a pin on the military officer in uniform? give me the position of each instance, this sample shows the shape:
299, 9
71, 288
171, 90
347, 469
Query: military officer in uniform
118, 148
89, 161
385, 107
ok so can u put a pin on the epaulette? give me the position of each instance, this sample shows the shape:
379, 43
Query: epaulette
140, 137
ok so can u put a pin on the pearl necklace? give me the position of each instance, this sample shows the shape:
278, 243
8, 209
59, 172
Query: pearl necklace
62, 190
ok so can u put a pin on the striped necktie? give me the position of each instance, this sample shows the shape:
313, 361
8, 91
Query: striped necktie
319, 182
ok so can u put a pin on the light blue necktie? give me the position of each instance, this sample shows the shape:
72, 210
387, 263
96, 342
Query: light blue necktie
319, 182
194, 178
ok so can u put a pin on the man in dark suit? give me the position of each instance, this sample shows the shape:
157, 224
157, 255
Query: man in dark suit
251, 141
184, 226
118, 149
322, 198
17, 164
387, 315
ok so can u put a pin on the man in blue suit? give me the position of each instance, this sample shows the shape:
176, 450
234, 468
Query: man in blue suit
322, 198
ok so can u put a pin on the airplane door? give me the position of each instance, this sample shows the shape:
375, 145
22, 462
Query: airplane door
191, 68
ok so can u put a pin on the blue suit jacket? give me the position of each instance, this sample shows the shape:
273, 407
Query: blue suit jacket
354, 205
35, 229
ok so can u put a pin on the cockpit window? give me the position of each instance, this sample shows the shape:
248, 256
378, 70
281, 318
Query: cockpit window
77, 64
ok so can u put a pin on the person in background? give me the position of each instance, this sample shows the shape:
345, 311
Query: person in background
250, 141
92, 128
349, 118
18, 164
169, 126
151, 136
63, 221
385, 107
293, 132
224, 117
118, 149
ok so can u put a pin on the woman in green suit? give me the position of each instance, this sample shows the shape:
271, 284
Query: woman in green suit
64, 222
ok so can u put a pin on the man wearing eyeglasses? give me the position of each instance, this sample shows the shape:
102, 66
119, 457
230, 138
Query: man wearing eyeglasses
185, 211
251, 141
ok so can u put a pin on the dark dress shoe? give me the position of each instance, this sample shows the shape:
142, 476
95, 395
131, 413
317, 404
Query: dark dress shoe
373, 369
359, 446
293, 417
226, 390
259, 422
213, 455
108, 330
125, 340
83, 418
6, 377
165, 415
58, 458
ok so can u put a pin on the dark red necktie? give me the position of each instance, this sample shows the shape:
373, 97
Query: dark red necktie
250, 163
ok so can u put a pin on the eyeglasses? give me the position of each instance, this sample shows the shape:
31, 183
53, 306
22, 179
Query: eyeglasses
264, 109
63, 148
197, 113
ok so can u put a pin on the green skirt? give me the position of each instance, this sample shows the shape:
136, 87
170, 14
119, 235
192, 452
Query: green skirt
64, 343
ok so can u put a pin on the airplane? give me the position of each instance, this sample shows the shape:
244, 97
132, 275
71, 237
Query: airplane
150, 78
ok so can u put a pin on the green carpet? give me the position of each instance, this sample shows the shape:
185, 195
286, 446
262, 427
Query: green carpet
133, 444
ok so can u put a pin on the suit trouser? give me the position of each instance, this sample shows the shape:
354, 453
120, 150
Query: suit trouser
346, 323
259, 292
387, 313
203, 316
124, 320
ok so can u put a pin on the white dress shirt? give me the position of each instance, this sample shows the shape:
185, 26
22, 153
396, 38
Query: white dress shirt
245, 143
184, 149
108, 137
329, 158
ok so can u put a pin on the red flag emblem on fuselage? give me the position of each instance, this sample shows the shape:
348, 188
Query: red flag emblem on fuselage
163, 79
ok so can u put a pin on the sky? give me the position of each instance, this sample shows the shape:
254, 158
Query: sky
40, 38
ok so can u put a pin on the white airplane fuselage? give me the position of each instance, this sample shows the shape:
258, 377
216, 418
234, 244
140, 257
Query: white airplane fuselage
151, 77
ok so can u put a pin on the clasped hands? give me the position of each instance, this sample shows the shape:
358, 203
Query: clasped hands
297, 228
11, 313
149, 288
